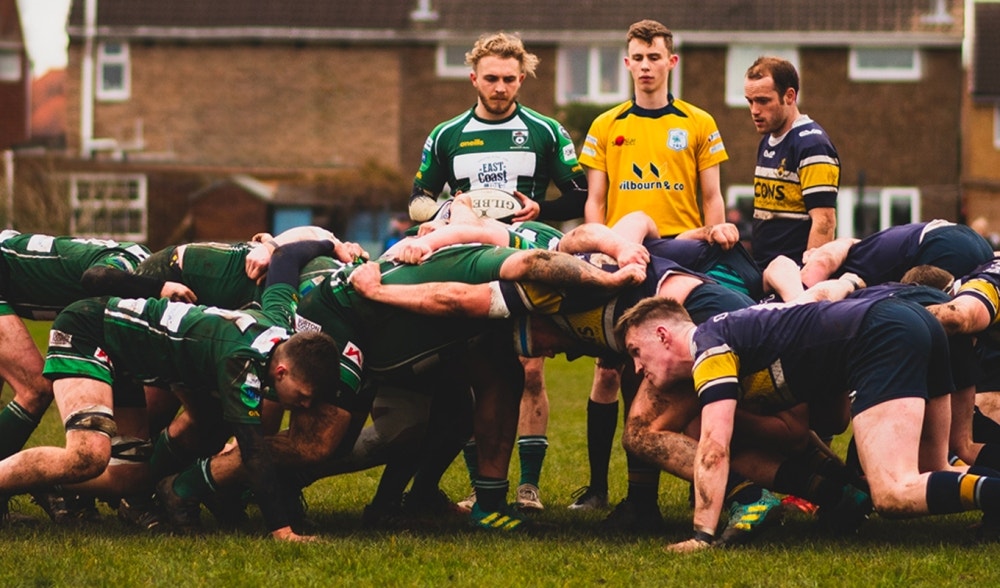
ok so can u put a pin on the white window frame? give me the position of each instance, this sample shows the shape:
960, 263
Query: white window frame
594, 95
847, 200
11, 66
450, 70
858, 73
739, 58
113, 94
126, 193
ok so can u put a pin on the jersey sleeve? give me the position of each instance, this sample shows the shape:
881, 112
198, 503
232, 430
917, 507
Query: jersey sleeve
564, 166
711, 151
239, 389
819, 171
594, 154
279, 303
716, 375
433, 172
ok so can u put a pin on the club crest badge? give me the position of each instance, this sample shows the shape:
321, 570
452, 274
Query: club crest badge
519, 137
677, 139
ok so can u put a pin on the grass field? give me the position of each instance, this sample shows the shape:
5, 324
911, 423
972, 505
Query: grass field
572, 551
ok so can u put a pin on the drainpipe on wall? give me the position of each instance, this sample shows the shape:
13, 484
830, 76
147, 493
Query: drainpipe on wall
87, 79
8, 174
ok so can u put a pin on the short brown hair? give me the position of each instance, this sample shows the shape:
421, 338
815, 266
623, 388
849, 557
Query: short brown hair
781, 71
312, 358
647, 30
649, 309
504, 46
929, 275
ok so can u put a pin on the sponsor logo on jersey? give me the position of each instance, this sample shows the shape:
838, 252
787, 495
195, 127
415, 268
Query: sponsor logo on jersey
492, 174
588, 150
101, 356
40, 243
60, 339
304, 325
569, 152
353, 354
250, 393
135, 305
716, 148
648, 180
769, 190
768, 154
519, 137
713, 136
622, 141
472, 143
808, 132
677, 139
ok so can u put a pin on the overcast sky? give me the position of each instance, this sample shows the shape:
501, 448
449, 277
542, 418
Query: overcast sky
44, 24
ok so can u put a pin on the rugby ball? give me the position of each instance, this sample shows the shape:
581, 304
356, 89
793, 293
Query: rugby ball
494, 203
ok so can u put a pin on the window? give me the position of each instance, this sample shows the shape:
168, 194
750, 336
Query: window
451, 61
594, 74
878, 208
884, 64
114, 81
108, 206
739, 58
10, 66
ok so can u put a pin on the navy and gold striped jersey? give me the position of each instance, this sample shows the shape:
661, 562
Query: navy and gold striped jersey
888, 254
796, 173
773, 356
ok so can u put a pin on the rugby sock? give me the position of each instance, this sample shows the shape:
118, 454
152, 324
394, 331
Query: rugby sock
949, 492
643, 481
984, 429
531, 450
471, 460
491, 493
799, 476
167, 458
741, 490
602, 419
989, 456
16, 425
196, 480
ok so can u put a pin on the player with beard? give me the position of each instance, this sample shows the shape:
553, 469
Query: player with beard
502, 144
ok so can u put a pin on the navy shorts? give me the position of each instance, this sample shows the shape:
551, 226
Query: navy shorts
901, 351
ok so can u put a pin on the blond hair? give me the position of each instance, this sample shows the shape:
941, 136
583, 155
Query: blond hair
504, 46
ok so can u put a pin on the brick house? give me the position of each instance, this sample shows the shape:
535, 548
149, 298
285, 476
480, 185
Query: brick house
299, 94
15, 79
981, 124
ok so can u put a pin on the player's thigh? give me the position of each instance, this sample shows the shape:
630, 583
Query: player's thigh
888, 441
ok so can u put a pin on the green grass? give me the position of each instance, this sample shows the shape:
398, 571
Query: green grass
572, 552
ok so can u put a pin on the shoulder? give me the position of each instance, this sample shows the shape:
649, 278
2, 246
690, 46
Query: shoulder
452, 123
810, 133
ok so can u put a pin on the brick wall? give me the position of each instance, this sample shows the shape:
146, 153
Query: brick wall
262, 106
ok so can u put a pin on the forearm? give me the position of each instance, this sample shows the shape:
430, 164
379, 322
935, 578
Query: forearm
569, 205
264, 482
287, 260
454, 299
824, 227
710, 474
107, 281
